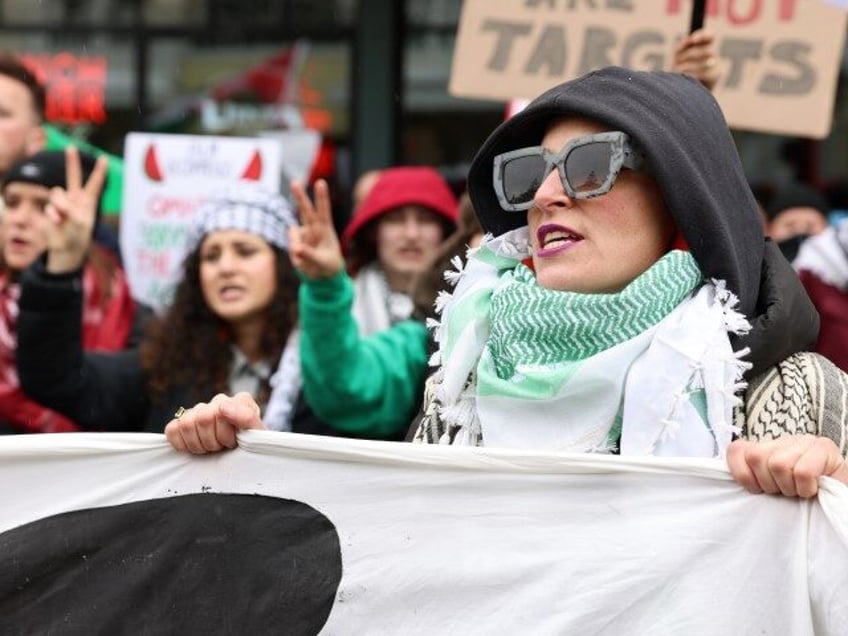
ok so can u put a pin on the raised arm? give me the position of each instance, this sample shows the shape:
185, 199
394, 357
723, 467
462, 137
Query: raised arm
97, 391
364, 386
314, 246
73, 211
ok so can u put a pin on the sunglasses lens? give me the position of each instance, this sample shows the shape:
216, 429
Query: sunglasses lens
587, 167
521, 177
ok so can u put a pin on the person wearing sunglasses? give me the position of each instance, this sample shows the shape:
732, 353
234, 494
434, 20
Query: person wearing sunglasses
627, 300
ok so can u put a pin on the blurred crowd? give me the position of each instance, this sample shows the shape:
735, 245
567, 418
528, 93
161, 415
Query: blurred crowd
328, 333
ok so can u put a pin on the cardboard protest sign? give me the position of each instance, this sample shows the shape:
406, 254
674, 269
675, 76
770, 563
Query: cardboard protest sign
297, 534
165, 178
779, 59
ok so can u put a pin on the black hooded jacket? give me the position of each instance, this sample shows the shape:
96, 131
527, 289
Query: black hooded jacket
692, 156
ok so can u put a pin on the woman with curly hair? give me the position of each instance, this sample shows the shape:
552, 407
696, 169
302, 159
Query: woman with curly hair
231, 324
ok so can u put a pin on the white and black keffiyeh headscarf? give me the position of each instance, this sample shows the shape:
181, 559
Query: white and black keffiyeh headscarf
247, 207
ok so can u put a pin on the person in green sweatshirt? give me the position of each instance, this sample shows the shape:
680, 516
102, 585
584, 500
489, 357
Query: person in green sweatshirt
362, 386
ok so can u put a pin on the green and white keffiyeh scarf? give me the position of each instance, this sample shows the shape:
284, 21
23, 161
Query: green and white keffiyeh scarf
649, 369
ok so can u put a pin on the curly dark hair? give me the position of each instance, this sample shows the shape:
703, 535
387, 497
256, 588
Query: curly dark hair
188, 345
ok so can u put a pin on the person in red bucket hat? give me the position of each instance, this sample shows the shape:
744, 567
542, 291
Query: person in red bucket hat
363, 355
392, 236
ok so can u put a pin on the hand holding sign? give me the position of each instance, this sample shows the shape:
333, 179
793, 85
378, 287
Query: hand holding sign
73, 211
314, 246
695, 55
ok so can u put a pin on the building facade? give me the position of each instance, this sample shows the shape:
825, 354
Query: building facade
370, 75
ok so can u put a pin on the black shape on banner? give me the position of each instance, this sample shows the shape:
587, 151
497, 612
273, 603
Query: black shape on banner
201, 563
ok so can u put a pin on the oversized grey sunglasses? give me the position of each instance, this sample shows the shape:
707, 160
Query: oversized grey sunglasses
587, 166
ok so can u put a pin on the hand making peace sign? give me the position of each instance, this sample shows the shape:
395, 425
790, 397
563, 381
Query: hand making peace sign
314, 246
72, 212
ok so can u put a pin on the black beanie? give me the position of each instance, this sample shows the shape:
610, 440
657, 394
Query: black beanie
690, 153
47, 168
796, 195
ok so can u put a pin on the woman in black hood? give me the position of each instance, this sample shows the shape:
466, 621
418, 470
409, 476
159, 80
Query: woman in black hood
628, 301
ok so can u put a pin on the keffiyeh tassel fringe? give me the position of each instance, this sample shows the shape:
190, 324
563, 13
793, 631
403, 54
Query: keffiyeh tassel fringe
452, 276
442, 299
435, 327
671, 424
735, 323
461, 421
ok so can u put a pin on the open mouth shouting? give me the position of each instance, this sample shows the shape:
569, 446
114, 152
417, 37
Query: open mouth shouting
18, 251
17, 242
553, 238
231, 293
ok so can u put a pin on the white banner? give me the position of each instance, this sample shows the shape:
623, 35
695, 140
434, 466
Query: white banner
296, 534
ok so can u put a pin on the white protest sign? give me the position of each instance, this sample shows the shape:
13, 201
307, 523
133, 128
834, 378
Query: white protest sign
779, 59
301, 534
165, 178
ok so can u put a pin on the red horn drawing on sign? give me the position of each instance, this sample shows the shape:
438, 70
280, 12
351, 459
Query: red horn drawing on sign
151, 164
254, 169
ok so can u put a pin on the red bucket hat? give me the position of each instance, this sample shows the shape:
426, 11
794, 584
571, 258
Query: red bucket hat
397, 187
